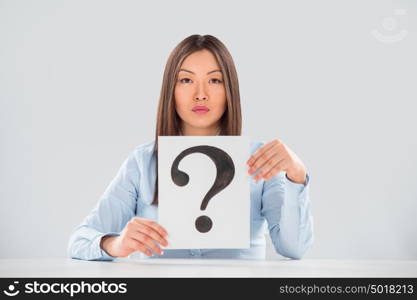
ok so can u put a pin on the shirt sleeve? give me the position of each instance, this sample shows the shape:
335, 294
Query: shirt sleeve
287, 210
114, 209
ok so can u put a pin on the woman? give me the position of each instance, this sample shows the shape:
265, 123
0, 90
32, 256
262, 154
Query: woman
199, 96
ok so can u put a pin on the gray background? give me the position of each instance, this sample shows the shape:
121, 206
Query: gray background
80, 82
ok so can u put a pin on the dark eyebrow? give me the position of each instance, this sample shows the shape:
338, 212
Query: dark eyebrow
207, 73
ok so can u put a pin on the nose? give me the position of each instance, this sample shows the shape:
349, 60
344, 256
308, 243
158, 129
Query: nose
200, 98
200, 93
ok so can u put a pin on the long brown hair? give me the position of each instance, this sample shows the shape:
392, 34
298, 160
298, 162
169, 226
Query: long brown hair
168, 122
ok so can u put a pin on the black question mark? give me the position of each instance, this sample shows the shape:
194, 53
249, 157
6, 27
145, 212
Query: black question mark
225, 173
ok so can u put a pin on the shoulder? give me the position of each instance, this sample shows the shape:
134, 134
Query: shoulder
145, 148
140, 154
139, 158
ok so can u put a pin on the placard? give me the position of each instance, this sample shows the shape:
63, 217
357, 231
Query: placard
204, 191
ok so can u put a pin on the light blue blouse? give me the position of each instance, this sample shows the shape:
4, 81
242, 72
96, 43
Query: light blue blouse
278, 206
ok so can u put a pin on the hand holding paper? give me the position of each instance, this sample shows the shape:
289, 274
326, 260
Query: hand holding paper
273, 158
139, 234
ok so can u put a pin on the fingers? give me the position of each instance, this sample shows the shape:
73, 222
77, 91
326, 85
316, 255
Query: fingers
135, 245
266, 164
149, 231
147, 241
153, 225
262, 150
267, 160
280, 166
271, 167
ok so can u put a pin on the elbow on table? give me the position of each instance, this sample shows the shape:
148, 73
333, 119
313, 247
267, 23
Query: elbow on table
82, 249
71, 249
295, 255
293, 252
78, 248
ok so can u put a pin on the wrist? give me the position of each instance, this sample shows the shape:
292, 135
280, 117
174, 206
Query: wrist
106, 244
298, 178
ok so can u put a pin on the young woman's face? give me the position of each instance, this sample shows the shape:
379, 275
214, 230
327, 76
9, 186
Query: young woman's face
200, 83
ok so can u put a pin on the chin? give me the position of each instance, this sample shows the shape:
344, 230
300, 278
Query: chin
201, 125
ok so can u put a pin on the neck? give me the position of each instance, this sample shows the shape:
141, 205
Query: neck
200, 132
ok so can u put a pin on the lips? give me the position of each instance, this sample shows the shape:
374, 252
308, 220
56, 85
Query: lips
200, 108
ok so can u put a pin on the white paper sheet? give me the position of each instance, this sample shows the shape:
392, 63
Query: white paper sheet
225, 221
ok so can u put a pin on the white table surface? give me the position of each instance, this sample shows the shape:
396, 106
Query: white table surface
158, 267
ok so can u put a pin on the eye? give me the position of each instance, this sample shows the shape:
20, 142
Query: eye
217, 80
182, 80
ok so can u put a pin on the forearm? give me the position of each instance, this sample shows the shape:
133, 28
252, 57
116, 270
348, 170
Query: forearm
294, 234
